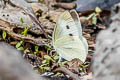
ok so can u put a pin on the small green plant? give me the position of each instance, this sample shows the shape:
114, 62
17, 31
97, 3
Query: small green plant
83, 67
25, 31
21, 20
26, 50
45, 67
36, 50
93, 16
48, 59
25, 27
4, 34
19, 46
56, 57
46, 63
62, 63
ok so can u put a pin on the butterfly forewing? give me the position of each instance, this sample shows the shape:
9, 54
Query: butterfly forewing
65, 26
76, 19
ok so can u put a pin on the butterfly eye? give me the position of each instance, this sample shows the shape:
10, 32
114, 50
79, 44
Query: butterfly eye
67, 27
70, 34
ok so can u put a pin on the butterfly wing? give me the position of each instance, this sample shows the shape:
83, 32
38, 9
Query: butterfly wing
76, 19
67, 37
70, 47
85, 43
65, 26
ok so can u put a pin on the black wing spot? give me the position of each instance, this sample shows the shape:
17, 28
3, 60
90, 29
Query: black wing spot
70, 34
114, 30
3, 15
67, 27
7, 15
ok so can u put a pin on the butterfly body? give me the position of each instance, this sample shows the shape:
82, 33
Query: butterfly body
67, 37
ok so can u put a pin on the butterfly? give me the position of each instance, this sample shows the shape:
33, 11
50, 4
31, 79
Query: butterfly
67, 38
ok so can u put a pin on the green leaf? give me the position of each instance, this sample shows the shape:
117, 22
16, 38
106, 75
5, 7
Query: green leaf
21, 20
30, 25
36, 48
4, 34
48, 60
41, 67
91, 15
44, 61
47, 57
94, 20
62, 63
26, 50
19, 44
25, 31
83, 66
46, 68
56, 57
20, 48
58, 73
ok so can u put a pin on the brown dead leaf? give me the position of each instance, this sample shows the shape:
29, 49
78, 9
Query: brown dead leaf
74, 64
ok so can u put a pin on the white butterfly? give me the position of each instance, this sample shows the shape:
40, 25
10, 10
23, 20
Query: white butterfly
67, 37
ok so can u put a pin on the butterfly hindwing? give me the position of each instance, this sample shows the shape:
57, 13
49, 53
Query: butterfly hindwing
70, 47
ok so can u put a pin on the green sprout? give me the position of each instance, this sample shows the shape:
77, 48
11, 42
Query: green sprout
19, 46
93, 16
4, 34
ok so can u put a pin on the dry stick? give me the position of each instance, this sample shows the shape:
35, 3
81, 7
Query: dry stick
38, 23
68, 72
32, 40
7, 27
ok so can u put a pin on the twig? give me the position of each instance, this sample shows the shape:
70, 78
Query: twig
9, 29
68, 72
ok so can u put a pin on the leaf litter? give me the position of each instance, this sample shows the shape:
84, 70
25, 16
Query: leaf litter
43, 58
